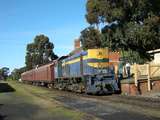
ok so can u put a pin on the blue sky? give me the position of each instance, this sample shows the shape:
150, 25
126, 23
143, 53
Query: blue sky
22, 20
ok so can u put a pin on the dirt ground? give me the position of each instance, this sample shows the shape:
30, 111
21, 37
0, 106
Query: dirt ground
26, 102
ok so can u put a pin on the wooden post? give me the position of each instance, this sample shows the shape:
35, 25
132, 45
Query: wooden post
135, 75
149, 81
116, 71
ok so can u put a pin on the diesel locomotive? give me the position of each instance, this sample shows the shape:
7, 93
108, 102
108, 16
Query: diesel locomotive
88, 71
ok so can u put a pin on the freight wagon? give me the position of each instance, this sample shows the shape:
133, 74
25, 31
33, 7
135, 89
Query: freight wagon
43, 75
87, 71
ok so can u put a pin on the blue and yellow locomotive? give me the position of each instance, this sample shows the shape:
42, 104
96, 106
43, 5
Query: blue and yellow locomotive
87, 71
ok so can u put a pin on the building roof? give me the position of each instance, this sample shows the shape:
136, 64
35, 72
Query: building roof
154, 51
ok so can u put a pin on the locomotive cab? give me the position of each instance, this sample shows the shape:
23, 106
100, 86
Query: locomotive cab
102, 76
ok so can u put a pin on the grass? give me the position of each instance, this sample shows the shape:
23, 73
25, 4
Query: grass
45, 99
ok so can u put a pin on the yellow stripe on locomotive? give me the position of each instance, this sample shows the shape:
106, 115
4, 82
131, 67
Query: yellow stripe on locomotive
97, 58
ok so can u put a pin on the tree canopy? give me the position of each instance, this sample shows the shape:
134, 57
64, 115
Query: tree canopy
4, 73
39, 52
16, 73
122, 11
130, 25
91, 38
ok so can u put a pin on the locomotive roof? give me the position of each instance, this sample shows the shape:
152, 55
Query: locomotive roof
82, 53
62, 57
39, 67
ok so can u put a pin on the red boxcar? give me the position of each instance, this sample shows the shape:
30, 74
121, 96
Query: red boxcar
29, 75
44, 73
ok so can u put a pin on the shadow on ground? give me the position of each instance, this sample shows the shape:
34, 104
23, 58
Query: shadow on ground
5, 87
2, 117
102, 111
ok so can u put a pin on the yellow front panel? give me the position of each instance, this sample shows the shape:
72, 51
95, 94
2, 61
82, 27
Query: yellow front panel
98, 53
101, 53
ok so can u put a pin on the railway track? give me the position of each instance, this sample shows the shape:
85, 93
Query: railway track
145, 102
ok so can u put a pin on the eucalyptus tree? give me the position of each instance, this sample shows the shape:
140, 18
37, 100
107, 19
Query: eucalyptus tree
129, 24
4, 73
16, 73
91, 38
39, 52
